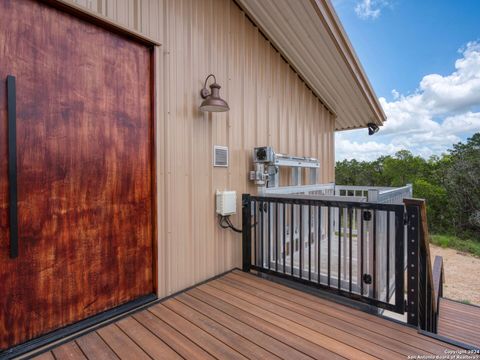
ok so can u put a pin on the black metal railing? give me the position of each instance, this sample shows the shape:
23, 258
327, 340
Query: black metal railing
355, 249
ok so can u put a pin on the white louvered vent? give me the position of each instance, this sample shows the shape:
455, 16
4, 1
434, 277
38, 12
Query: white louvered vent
220, 156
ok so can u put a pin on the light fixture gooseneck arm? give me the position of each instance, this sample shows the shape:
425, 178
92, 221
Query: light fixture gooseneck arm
205, 92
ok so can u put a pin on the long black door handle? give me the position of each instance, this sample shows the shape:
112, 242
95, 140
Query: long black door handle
12, 164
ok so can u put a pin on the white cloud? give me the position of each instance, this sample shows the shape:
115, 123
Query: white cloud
395, 94
348, 148
370, 9
469, 122
439, 113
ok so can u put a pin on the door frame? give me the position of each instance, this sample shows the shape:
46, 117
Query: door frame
122, 310
101, 21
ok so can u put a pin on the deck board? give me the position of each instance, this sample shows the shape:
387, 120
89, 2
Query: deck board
201, 337
150, 343
265, 339
69, 351
273, 331
45, 356
337, 328
247, 348
338, 341
123, 346
459, 321
93, 345
363, 320
240, 316
172, 337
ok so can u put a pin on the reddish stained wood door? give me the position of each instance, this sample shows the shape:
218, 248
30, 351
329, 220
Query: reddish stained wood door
84, 132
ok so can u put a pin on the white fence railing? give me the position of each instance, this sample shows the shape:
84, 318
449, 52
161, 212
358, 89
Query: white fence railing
317, 189
395, 195
377, 194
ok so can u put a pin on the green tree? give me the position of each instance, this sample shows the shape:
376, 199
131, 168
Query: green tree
437, 201
462, 182
450, 183
404, 168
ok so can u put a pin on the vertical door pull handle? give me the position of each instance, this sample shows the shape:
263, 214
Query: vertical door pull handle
12, 164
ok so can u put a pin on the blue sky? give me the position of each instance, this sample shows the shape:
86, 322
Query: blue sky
423, 60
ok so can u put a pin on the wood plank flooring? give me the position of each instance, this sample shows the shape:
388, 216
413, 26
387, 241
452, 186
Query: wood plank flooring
459, 321
240, 316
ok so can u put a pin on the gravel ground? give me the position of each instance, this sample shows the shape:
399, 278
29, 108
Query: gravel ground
462, 274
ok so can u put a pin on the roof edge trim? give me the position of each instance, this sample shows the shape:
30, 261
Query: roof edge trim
328, 16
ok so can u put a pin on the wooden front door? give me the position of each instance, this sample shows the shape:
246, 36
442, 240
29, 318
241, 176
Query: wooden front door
84, 170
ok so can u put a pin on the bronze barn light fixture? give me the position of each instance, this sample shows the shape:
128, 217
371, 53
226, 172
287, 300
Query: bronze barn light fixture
213, 102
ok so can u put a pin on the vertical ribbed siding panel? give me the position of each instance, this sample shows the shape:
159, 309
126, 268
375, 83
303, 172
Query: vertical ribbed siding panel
187, 137
320, 150
269, 104
282, 121
199, 151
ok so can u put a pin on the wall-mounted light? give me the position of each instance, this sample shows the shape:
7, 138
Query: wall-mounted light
213, 102
372, 128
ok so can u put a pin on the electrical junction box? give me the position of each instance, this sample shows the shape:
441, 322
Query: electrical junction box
226, 202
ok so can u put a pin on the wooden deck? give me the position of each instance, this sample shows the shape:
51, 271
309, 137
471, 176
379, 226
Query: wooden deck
459, 322
241, 316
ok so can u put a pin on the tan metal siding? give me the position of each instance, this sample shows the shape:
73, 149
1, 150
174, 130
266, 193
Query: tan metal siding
311, 37
269, 104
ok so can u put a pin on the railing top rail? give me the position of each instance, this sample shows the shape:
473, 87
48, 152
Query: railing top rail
322, 200
395, 190
299, 189
392, 193
363, 187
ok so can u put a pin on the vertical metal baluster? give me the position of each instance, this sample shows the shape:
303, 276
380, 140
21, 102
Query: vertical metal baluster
399, 261
388, 257
276, 236
350, 214
255, 224
261, 210
328, 243
319, 240
292, 247
309, 242
374, 282
269, 231
339, 285
361, 252
300, 242
284, 233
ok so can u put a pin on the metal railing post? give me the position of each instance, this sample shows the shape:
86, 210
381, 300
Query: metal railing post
424, 299
246, 232
410, 190
413, 235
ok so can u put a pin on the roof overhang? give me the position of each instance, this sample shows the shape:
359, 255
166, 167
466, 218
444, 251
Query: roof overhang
310, 36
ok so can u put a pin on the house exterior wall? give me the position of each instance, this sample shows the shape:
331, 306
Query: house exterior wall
269, 105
